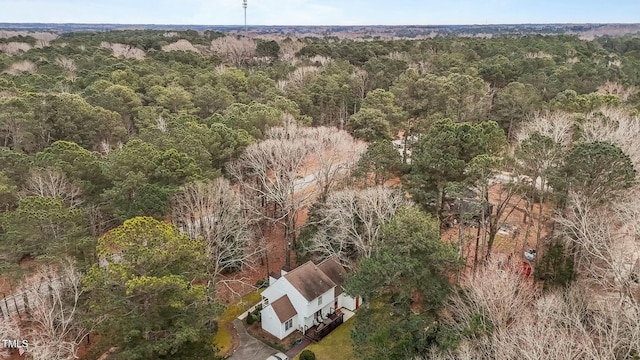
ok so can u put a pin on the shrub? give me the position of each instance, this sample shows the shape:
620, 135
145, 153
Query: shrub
256, 314
250, 319
307, 355
262, 283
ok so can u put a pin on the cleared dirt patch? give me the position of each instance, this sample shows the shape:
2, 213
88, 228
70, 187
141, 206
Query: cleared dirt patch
512, 239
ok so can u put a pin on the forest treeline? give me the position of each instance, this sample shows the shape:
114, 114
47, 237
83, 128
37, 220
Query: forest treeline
119, 142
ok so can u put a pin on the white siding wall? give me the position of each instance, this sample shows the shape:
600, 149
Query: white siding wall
341, 300
326, 306
348, 302
271, 323
293, 328
327, 299
306, 323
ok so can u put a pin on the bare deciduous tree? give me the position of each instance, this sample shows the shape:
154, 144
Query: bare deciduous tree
235, 49
336, 153
10, 329
52, 327
289, 49
605, 243
214, 212
286, 172
361, 78
616, 126
301, 75
181, 45
123, 50
501, 316
494, 299
503, 207
618, 89
558, 126
50, 182
350, 222
19, 67
268, 174
320, 59
67, 65
498, 294
14, 48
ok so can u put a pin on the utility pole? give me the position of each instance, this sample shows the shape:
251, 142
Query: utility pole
244, 5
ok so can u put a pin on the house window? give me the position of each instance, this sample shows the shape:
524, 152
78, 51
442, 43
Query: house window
288, 324
320, 300
266, 302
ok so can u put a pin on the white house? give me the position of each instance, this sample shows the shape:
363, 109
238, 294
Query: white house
304, 297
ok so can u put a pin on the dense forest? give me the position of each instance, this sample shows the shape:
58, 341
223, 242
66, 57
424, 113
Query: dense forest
141, 170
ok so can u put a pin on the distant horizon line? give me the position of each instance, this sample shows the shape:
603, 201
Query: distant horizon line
332, 25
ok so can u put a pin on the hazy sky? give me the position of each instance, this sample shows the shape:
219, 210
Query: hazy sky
320, 12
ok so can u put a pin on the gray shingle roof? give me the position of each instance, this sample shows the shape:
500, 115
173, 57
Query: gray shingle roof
310, 280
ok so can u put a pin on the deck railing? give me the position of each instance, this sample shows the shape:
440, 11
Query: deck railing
317, 332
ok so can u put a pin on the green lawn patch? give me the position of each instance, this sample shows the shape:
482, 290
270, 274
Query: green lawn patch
336, 345
223, 337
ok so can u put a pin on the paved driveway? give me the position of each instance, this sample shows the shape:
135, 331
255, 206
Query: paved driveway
250, 347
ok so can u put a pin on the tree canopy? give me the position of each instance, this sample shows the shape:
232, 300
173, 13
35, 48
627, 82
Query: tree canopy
147, 295
405, 282
107, 136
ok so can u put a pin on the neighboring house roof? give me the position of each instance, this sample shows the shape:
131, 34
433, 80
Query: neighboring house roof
284, 308
335, 272
309, 280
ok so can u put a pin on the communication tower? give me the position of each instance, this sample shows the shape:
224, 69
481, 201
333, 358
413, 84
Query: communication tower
244, 6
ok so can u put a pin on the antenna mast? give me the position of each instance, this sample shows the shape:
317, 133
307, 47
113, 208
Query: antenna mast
244, 5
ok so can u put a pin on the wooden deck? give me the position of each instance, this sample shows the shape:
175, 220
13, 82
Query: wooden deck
317, 332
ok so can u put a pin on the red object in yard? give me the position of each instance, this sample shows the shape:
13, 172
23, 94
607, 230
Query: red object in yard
525, 270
